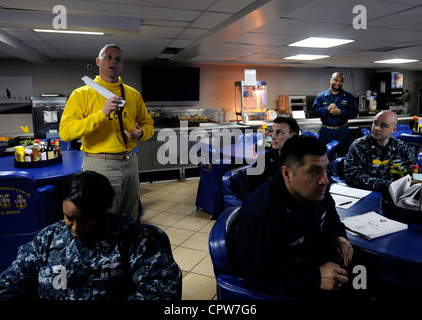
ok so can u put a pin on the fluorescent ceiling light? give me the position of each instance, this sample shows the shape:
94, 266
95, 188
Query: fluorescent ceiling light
314, 42
306, 57
70, 32
396, 61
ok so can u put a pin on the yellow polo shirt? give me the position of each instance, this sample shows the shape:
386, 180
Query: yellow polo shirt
83, 118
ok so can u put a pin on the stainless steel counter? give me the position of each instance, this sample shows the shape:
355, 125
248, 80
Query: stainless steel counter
314, 124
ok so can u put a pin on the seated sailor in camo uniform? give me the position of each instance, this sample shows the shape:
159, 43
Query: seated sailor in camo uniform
368, 162
92, 254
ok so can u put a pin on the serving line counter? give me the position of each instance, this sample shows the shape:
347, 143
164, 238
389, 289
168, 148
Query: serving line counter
148, 150
151, 151
314, 124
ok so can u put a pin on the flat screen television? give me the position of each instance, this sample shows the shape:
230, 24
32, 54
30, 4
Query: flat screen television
170, 85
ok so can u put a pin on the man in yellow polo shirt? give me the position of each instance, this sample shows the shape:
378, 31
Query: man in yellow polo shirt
110, 133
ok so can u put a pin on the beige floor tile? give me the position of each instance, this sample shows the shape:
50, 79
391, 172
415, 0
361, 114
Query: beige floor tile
147, 214
191, 200
198, 241
182, 208
156, 194
172, 187
153, 186
202, 214
145, 201
160, 205
192, 182
186, 258
191, 223
198, 287
171, 207
166, 219
207, 228
204, 267
187, 191
143, 192
177, 236
176, 197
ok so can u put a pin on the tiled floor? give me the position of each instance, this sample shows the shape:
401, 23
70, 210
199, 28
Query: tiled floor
171, 206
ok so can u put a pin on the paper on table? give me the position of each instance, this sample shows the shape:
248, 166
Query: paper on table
372, 225
101, 90
344, 202
345, 196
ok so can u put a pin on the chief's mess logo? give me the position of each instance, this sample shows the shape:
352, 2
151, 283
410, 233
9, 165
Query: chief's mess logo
13, 200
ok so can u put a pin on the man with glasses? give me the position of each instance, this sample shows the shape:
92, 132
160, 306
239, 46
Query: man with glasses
110, 131
283, 129
368, 162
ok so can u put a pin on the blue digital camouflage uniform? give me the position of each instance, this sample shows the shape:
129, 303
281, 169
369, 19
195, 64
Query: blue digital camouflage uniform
361, 171
126, 262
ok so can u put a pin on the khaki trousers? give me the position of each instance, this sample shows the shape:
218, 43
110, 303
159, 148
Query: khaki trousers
124, 177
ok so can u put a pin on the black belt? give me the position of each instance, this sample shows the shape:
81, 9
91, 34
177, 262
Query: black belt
335, 127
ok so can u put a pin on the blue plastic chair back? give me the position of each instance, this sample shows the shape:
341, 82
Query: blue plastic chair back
232, 184
18, 203
310, 133
250, 137
412, 141
332, 148
402, 129
211, 170
229, 287
24, 210
337, 170
365, 131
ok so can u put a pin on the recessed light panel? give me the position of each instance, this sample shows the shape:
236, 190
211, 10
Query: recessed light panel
396, 61
307, 57
70, 32
314, 42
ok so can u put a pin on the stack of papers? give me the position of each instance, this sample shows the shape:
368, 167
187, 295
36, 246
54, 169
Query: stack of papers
345, 196
372, 225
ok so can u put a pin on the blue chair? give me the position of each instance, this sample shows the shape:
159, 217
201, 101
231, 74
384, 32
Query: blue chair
337, 170
25, 209
211, 170
162, 238
332, 148
402, 129
413, 141
232, 183
365, 131
229, 287
310, 133
250, 137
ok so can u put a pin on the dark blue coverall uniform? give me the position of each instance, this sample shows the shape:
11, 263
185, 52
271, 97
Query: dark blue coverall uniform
277, 245
334, 127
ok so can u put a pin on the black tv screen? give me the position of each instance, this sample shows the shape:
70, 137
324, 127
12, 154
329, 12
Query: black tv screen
164, 86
